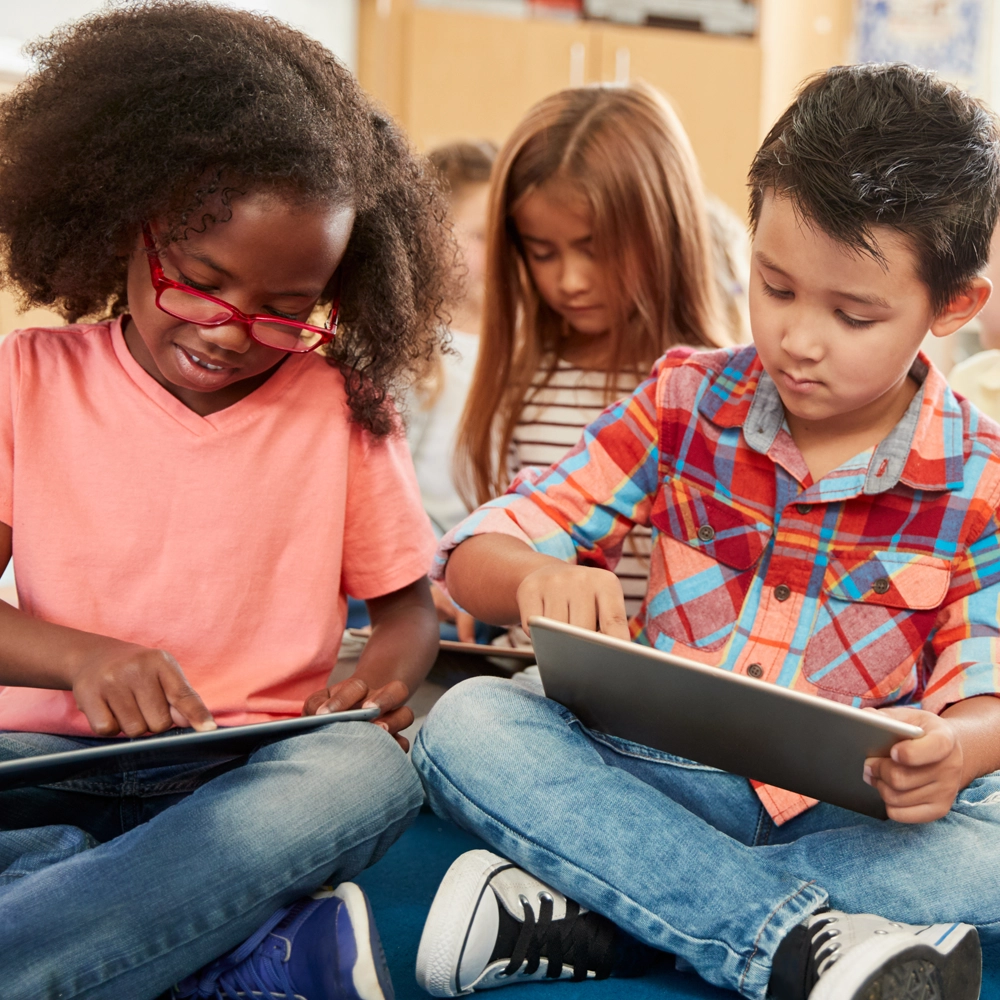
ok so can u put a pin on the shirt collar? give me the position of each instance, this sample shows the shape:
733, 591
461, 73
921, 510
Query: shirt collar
924, 450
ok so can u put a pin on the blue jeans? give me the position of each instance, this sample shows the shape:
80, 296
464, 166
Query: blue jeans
118, 886
684, 857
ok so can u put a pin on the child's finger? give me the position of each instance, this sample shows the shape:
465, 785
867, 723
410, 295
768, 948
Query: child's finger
396, 720
343, 696
931, 748
155, 708
611, 614
388, 698
186, 700
100, 717
897, 776
130, 719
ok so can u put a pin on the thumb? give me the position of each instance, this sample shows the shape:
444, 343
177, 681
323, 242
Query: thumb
186, 706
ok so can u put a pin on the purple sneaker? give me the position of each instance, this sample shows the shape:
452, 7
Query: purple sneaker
322, 947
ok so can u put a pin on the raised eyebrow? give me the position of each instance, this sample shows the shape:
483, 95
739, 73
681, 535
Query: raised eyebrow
864, 300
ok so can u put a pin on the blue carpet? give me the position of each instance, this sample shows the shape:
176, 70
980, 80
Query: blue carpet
402, 885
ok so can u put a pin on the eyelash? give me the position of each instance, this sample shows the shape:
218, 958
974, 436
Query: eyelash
854, 324
208, 291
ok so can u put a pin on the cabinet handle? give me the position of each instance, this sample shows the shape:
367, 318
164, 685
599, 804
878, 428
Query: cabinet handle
623, 64
577, 63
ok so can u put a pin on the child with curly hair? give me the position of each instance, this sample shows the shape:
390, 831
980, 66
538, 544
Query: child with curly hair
191, 487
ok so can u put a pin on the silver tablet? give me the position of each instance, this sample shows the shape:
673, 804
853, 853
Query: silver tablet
172, 747
752, 728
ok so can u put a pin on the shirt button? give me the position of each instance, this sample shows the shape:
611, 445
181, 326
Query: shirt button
706, 533
755, 670
782, 592
881, 585
803, 508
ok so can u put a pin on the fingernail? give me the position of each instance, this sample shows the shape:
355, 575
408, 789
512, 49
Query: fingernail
868, 775
323, 710
382, 725
207, 727
894, 754
370, 704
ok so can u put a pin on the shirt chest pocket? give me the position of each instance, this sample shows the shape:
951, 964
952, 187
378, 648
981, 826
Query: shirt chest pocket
708, 553
877, 610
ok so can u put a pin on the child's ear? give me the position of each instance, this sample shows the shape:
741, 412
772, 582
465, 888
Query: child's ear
963, 307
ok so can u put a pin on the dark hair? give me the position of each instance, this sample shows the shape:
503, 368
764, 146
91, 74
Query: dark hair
889, 145
460, 164
170, 110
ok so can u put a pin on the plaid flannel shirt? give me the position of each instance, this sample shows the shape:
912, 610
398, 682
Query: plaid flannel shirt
877, 585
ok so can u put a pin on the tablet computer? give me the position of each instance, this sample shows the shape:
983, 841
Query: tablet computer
748, 727
172, 747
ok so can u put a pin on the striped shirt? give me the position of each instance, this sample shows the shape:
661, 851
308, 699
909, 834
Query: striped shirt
877, 584
558, 409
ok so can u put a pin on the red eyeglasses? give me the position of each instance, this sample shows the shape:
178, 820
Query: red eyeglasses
191, 306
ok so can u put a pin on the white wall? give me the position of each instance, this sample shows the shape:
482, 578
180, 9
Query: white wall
333, 22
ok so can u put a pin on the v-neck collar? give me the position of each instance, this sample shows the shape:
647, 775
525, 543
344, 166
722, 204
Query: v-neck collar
244, 410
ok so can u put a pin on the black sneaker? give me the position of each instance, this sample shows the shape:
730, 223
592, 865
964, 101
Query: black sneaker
859, 956
492, 924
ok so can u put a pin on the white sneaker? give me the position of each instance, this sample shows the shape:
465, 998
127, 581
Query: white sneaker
492, 924
864, 957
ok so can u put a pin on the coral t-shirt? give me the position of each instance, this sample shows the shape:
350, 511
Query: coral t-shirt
229, 540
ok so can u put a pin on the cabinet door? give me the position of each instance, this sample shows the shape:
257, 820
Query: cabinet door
473, 76
713, 83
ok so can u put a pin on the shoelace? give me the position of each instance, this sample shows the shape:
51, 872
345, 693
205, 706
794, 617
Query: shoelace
585, 941
236, 977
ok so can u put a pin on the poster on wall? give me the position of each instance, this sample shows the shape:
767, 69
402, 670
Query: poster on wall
952, 37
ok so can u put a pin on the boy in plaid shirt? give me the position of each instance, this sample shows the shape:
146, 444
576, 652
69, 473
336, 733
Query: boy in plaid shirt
824, 515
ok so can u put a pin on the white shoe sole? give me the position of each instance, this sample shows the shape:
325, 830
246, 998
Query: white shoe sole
948, 968
443, 941
367, 981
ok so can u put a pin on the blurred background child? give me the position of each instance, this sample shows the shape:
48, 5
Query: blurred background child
598, 260
464, 168
434, 413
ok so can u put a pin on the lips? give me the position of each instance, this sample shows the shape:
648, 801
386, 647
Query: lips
204, 361
799, 384
202, 371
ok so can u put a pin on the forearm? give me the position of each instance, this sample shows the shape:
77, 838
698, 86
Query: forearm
34, 653
404, 639
484, 572
977, 726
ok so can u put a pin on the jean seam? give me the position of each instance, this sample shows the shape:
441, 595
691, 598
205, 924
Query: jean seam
654, 916
661, 757
756, 943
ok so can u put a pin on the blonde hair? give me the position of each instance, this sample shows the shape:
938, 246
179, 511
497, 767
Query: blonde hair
625, 150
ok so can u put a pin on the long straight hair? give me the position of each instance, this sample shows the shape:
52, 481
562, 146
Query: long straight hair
625, 151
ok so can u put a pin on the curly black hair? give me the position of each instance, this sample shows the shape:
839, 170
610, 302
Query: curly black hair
170, 109
892, 145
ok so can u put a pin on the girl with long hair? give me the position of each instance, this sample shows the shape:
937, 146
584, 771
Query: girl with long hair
598, 260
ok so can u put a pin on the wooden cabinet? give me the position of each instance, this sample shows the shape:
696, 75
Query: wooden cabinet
447, 74
469, 75
713, 84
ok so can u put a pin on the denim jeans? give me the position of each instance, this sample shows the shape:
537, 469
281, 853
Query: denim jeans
684, 857
119, 885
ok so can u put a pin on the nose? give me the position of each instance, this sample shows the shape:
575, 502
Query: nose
574, 278
801, 339
233, 337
